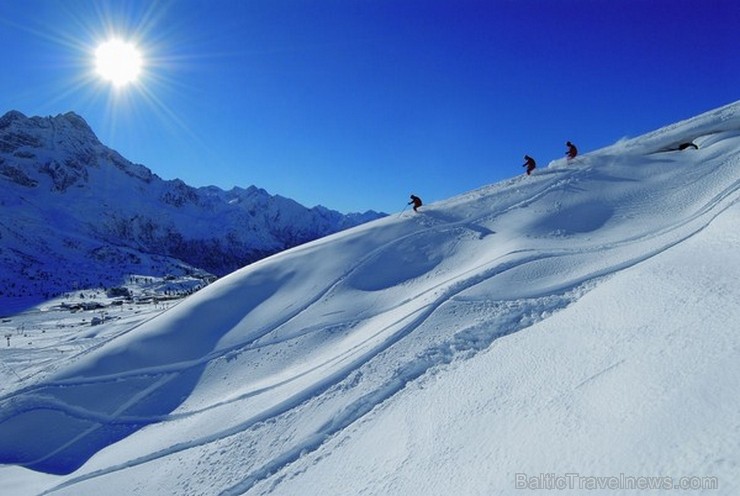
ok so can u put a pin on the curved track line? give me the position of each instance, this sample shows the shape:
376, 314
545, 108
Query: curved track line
453, 286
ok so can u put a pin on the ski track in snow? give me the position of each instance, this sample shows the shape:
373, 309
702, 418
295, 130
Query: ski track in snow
445, 352
585, 266
442, 354
413, 370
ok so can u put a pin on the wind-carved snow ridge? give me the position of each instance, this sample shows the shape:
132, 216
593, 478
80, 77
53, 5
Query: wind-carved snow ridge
267, 376
510, 316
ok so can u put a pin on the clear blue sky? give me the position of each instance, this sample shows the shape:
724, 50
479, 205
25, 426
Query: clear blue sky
355, 104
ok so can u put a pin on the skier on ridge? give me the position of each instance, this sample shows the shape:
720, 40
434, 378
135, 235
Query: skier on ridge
529, 164
572, 151
416, 202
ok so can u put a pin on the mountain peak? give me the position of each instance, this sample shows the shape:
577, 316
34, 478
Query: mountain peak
10, 117
76, 121
61, 187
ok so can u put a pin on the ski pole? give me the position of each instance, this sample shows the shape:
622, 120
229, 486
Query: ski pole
404, 209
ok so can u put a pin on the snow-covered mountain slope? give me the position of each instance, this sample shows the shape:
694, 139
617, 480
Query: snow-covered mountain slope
580, 321
78, 215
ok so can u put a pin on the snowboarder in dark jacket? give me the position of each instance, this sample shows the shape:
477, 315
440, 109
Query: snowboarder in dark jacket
529, 164
572, 150
416, 201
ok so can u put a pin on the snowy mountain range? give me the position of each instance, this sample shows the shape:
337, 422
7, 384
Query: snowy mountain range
76, 214
572, 332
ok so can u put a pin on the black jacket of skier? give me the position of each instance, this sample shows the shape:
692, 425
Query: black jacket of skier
529, 163
416, 201
572, 150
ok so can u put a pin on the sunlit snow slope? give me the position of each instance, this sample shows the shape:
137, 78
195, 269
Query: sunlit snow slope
584, 319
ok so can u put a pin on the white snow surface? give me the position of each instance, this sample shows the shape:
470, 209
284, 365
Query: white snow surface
580, 321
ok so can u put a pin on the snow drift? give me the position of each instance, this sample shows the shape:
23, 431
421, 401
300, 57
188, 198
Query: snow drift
372, 361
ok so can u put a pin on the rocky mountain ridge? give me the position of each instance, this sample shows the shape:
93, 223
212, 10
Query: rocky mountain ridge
77, 213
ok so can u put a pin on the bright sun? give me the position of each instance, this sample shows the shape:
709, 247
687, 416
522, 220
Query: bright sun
118, 62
